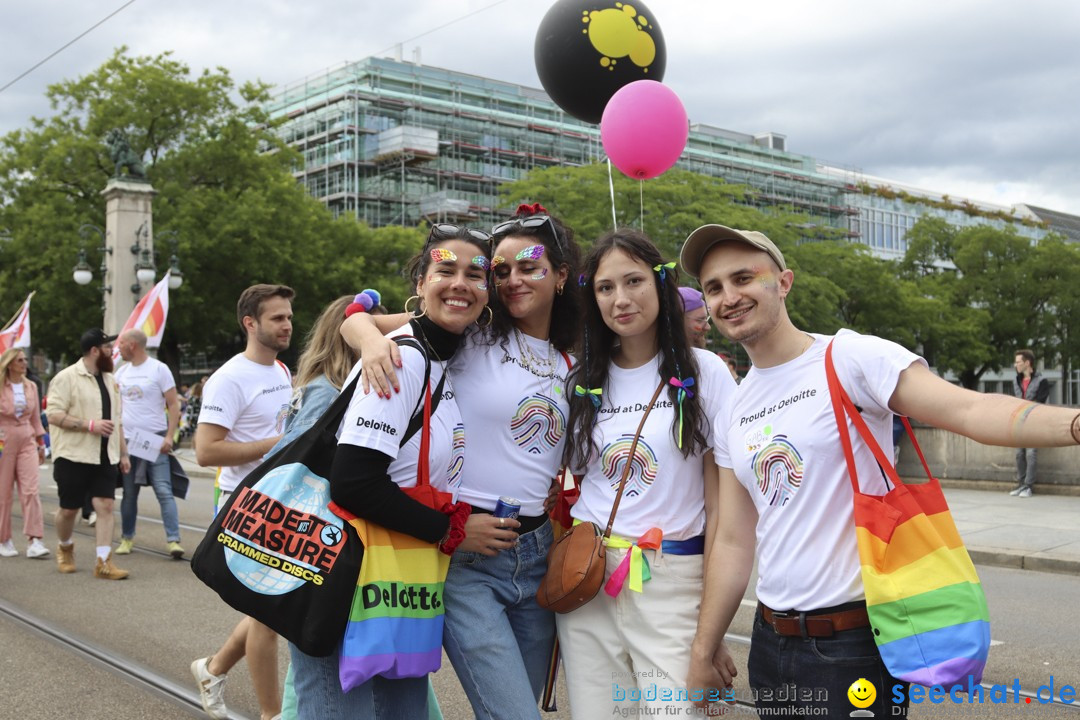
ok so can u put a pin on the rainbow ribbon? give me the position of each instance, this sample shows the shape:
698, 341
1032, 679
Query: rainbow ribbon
684, 392
592, 394
634, 564
663, 268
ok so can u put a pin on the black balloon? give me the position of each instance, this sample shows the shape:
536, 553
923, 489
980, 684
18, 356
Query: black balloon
587, 50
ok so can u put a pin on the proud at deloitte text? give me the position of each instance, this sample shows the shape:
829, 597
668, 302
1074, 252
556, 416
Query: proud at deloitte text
996, 694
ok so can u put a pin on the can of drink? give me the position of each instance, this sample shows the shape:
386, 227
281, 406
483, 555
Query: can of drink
507, 507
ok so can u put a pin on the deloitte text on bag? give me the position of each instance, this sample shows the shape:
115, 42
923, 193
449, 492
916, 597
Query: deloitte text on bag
277, 553
926, 605
395, 626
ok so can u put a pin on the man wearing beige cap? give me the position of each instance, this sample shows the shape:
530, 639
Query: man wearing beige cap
784, 481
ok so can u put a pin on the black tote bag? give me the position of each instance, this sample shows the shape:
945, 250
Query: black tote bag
277, 553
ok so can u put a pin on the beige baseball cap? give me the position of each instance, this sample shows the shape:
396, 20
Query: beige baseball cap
699, 242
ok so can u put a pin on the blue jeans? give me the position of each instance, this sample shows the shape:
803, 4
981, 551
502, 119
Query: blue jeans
319, 695
498, 639
160, 477
789, 672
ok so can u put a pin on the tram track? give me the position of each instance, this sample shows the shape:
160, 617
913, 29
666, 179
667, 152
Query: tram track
147, 679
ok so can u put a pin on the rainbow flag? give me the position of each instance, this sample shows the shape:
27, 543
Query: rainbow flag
396, 621
925, 601
149, 315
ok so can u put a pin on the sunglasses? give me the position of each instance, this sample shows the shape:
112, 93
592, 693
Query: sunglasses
442, 231
534, 221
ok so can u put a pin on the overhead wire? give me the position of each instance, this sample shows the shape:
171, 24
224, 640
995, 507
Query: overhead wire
67, 45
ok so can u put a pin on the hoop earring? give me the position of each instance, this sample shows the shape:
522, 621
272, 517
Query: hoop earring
409, 312
558, 290
490, 317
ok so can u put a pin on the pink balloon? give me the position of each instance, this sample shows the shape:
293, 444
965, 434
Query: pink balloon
644, 129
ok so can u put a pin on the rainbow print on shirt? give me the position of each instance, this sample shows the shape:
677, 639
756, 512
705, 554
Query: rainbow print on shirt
457, 457
643, 466
778, 467
538, 425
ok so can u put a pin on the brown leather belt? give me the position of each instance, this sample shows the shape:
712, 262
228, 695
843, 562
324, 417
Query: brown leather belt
804, 625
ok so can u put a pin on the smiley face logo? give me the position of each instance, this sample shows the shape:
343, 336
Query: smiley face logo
862, 693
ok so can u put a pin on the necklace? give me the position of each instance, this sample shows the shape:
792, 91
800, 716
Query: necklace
542, 368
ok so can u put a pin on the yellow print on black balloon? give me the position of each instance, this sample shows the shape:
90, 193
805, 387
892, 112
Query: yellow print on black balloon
619, 32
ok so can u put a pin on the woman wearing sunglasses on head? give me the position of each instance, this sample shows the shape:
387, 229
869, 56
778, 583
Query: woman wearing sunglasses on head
374, 460
510, 380
634, 634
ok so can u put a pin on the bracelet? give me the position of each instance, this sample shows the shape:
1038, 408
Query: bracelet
1075, 429
90, 427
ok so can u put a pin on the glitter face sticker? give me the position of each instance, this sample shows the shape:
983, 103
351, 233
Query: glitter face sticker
765, 277
442, 254
481, 262
497, 260
482, 286
540, 274
533, 252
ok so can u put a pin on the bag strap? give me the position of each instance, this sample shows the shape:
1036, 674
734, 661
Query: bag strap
629, 458
842, 404
417, 418
423, 471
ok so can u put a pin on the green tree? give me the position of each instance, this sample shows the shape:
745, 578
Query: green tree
837, 283
983, 299
224, 184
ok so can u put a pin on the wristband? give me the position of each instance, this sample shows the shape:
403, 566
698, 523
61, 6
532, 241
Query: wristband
90, 426
1075, 429
459, 513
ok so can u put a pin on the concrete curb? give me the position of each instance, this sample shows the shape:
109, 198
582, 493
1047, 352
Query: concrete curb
1021, 561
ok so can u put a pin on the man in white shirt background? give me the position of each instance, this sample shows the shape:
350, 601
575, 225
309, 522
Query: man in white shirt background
151, 416
244, 405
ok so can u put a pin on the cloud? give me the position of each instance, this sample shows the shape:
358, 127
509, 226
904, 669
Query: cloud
973, 97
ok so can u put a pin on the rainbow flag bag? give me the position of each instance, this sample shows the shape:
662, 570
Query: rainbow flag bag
927, 608
395, 624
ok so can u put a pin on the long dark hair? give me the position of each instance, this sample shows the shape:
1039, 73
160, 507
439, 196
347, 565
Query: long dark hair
561, 250
676, 357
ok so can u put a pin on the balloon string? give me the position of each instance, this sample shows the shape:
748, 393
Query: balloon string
641, 202
611, 186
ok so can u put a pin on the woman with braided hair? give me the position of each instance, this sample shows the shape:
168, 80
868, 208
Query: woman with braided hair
632, 638
510, 383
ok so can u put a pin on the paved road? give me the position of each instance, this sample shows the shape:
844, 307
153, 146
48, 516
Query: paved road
163, 617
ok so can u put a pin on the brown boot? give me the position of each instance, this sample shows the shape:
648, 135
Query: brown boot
107, 571
65, 558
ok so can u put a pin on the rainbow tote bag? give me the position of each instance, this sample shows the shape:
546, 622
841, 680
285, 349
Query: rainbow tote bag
926, 605
395, 624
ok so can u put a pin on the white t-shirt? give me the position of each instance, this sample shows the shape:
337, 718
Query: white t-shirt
779, 435
18, 394
249, 400
518, 406
379, 424
664, 489
143, 388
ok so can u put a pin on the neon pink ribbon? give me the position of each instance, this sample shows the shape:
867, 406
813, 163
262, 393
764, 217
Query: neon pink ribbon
634, 565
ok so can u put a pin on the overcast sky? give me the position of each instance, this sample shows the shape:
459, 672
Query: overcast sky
977, 99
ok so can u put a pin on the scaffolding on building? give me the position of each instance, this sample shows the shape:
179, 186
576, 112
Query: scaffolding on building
391, 142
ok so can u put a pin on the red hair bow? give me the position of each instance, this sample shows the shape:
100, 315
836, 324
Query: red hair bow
534, 209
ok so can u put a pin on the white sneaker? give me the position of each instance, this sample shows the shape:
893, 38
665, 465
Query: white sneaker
92, 520
1024, 493
211, 689
36, 549
1016, 490
7, 549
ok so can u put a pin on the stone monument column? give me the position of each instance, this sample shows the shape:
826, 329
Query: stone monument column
128, 229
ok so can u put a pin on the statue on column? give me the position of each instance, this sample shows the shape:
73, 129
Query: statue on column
123, 156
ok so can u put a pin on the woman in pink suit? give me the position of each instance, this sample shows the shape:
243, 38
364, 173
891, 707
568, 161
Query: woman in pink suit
23, 440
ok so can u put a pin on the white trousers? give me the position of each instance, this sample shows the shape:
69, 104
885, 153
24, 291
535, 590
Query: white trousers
634, 650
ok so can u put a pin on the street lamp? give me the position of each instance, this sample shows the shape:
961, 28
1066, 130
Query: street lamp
176, 278
146, 263
82, 273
